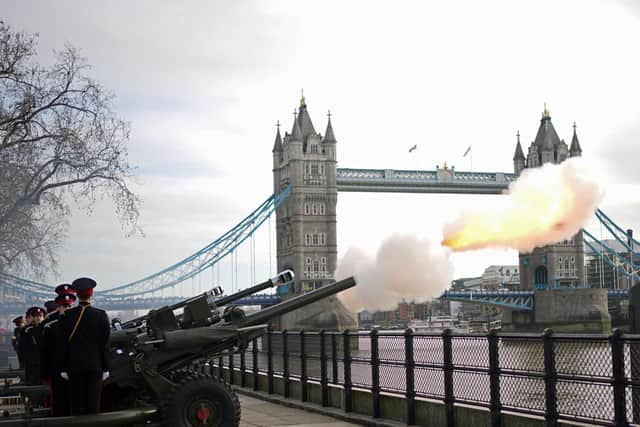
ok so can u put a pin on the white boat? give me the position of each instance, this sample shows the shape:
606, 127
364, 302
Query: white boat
438, 324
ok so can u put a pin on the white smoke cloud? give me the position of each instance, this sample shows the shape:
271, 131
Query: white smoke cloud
404, 267
543, 206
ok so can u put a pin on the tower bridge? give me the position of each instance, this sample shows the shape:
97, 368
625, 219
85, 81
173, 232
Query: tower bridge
306, 186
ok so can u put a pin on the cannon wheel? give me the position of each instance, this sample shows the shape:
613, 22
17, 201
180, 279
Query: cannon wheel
200, 400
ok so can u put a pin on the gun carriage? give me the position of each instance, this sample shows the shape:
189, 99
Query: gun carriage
150, 381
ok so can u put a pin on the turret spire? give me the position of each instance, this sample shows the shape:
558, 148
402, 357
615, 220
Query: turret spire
575, 149
545, 113
277, 145
519, 154
328, 135
296, 133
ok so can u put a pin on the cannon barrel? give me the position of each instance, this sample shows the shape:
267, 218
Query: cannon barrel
282, 278
264, 315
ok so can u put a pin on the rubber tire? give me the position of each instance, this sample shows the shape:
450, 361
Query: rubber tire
179, 375
201, 385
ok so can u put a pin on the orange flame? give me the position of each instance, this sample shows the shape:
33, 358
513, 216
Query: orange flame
543, 206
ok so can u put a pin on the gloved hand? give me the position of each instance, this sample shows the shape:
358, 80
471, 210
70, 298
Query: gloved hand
64, 375
105, 375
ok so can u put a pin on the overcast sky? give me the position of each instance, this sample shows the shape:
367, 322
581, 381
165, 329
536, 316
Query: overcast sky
203, 84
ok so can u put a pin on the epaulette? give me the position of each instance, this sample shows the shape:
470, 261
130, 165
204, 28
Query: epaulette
51, 323
28, 328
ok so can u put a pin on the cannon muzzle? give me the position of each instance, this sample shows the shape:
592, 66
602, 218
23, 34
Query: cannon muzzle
282, 278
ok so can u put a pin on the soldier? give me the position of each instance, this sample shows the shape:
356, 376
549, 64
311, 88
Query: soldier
52, 363
29, 345
19, 322
85, 340
51, 307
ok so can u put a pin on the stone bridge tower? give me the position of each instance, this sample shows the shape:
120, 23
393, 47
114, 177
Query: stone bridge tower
560, 264
306, 220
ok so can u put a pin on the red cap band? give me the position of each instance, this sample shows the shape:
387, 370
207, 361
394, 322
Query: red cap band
83, 293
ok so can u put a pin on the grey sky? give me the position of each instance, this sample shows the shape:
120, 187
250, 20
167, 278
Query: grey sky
203, 84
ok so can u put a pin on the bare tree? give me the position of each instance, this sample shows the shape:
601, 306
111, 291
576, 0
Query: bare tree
59, 141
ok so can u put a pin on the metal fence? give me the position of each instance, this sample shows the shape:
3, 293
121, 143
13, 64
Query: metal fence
593, 379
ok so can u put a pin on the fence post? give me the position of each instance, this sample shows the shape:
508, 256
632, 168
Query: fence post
619, 380
243, 367
285, 362
346, 349
334, 357
494, 379
375, 372
269, 361
231, 366
409, 366
550, 378
324, 381
303, 369
220, 367
256, 378
447, 367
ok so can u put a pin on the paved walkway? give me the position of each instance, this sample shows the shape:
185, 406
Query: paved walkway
256, 412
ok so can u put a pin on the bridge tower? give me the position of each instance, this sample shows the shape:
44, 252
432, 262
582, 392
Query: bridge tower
560, 264
306, 220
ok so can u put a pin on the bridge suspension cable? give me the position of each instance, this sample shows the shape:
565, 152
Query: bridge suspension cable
187, 268
205, 257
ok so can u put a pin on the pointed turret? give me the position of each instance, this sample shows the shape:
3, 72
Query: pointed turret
277, 145
519, 154
328, 135
575, 150
304, 120
518, 157
547, 138
296, 133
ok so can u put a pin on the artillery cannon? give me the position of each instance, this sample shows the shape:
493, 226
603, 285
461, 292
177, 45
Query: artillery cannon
150, 379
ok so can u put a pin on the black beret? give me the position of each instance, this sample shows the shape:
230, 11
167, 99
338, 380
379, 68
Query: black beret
65, 288
18, 320
83, 284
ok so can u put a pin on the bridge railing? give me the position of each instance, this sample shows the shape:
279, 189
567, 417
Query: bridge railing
593, 379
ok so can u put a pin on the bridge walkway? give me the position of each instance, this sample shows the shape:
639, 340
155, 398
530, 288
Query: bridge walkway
260, 413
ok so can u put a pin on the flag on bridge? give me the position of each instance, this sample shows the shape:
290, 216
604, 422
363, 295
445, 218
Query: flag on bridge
466, 152
415, 147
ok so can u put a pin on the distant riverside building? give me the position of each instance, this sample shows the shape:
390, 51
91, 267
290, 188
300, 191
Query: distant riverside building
600, 273
501, 277
560, 264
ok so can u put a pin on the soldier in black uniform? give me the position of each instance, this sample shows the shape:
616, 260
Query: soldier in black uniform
19, 322
29, 345
85, 338
52, 363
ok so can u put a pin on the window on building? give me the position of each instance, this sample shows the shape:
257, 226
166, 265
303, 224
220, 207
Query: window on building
314, 170
323, 260
308, 260
314, 149
540, 275
307, 209
321, 208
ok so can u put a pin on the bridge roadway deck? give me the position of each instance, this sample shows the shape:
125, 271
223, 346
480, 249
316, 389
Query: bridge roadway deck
257, 412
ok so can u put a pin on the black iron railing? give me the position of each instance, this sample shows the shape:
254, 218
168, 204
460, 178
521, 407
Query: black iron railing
593, 379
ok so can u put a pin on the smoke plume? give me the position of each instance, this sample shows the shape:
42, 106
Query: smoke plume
404, 267
543, 206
